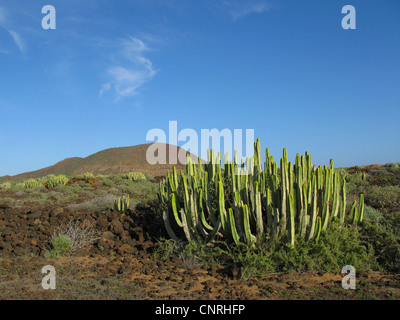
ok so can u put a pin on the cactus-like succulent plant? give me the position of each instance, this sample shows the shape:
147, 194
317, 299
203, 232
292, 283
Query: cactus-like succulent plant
121, 204
32, 183
241, 203
56, 181
135, 176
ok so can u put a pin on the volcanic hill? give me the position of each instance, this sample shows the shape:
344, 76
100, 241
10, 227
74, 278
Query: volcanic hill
110, 161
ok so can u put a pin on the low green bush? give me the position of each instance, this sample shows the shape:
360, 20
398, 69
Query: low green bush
382, 197
372, 215
107, 182
342, 245
60, 245
384, 236
356, 184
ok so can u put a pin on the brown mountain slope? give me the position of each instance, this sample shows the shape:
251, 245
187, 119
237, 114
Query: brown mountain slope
110, 161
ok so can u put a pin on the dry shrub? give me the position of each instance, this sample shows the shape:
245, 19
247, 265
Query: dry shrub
81, 234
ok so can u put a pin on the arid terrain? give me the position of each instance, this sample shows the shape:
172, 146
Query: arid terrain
127, 269
125, 262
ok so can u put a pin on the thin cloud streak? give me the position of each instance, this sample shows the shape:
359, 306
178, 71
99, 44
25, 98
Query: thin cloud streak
18, 40
20, 43
245, 10
238, 9
131, 71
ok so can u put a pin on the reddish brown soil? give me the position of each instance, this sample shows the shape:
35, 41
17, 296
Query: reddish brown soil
122, 265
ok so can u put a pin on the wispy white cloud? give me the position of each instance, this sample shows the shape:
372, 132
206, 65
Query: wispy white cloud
18, 40
239, 9
245, 10
131, 70
104, 88
20, 43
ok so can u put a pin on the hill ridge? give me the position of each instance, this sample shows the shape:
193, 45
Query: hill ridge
115, 160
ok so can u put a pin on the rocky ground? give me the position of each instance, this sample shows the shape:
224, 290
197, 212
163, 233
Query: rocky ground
122, 264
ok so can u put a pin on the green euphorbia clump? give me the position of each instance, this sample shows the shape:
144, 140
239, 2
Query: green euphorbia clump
240, 205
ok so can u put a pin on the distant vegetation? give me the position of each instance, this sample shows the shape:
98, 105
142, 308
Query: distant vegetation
86, 191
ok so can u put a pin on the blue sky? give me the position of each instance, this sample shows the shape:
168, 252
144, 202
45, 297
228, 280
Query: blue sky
113, 70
